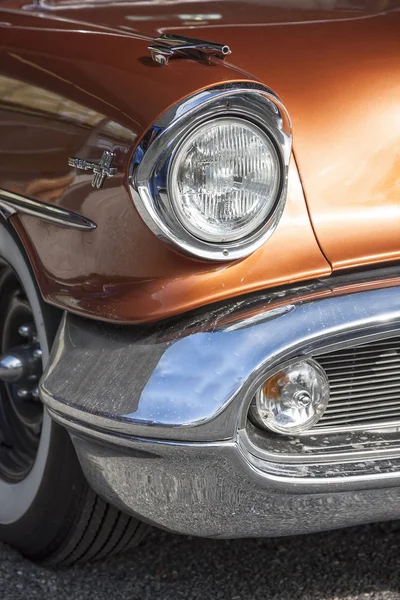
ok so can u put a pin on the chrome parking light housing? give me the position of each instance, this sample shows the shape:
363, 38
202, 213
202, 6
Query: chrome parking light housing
150, 176
293, 399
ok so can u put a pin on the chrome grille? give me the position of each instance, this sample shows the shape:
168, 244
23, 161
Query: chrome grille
365, 386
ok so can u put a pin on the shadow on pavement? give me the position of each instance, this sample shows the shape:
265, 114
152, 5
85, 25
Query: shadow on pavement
359, 562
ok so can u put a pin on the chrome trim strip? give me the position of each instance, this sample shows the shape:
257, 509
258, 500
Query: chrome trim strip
310, 449
11, 203
150, 164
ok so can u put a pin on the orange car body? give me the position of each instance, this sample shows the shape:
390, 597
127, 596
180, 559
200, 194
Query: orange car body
66, 94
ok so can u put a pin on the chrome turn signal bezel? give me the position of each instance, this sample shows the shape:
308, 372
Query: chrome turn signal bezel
258, 404
148, 180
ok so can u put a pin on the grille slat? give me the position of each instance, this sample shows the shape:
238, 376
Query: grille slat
365, 385
364, 420
391, 351
388, 364
357, 392
361, 380
376, 371
385, 344
336, 413
353, 404
379, 359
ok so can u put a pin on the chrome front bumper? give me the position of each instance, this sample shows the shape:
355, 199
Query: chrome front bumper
158, 415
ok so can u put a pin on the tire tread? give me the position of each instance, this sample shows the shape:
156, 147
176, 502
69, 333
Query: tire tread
99, 532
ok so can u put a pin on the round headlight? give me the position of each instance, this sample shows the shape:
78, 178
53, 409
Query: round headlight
224, 180
210, 177
292, 400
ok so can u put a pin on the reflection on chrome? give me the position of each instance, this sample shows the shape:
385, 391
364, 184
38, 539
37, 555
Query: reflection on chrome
320, 5
171, 431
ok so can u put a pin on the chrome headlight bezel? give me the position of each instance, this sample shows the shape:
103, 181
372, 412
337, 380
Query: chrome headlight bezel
150, 164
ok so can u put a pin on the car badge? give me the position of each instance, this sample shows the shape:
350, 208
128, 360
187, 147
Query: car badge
101, 170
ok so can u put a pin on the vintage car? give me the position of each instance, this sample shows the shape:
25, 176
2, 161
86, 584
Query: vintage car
199, 270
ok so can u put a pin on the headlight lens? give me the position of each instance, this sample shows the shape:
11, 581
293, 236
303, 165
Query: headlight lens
292, 400
224, 180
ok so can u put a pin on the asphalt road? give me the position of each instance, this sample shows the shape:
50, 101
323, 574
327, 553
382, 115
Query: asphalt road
362, 562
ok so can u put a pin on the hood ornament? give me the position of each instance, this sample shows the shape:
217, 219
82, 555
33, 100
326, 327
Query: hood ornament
101, 170
168, 45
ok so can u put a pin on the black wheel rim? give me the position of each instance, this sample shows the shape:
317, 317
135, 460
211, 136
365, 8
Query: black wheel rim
21, 412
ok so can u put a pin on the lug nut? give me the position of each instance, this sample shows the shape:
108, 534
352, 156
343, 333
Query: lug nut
23, 394
11, 368
27, 330
37, 353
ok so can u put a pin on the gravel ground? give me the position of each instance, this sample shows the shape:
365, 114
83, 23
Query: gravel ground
362, 562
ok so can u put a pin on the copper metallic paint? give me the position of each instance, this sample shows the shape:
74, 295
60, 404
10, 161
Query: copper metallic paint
165, 283
341, 90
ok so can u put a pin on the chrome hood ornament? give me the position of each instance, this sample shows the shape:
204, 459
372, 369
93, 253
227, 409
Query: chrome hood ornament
101, 170
168, 45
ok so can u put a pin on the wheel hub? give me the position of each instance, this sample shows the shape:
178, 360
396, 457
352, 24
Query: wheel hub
21, 412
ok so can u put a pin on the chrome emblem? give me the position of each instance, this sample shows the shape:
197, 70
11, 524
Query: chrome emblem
167, 45
101, 170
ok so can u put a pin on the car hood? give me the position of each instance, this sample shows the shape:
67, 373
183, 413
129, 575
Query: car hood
335, 64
